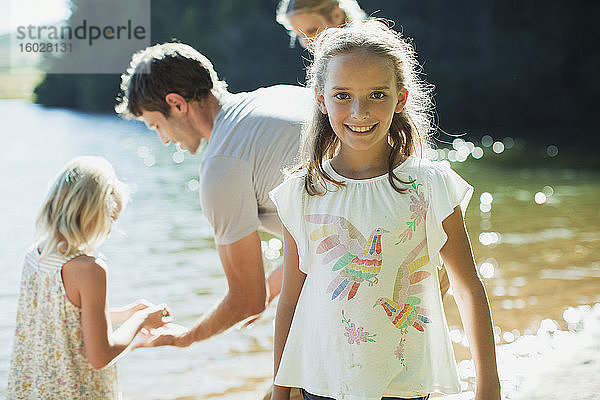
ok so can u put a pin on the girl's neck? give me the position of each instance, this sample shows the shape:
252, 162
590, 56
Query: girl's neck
362, 165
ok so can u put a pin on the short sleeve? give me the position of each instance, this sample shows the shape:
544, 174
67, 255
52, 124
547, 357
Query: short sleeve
288, 198
446, 191
228, 198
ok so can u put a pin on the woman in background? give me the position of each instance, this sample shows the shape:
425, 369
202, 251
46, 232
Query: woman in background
304, 19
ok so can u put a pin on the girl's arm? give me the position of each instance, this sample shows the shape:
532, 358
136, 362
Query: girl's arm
118, 315
293, 280
85, 284
473, 305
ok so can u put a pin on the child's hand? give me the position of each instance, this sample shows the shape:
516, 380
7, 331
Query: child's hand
170, 334
155, 316
139, 305
118, 315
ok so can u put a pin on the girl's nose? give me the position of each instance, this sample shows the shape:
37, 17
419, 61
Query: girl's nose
360, 109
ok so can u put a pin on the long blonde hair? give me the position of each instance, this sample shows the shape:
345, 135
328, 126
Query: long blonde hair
409, 130
80, 207
287, 8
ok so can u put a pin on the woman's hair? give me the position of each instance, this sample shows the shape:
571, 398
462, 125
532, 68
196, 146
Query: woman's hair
162, 69
409, 130
81, 206
287, 8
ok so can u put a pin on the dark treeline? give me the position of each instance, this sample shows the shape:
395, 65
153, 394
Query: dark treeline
527, 69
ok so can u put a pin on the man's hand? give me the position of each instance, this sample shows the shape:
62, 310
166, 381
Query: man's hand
170, 334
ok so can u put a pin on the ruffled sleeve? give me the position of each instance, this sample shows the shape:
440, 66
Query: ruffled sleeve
446, 191
289, 200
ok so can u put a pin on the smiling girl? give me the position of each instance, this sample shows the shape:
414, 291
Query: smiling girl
367, 221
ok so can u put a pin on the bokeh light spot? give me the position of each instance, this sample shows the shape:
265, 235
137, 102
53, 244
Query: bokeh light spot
552, 150
193, 185
509, 142
275, 244
486, 198
498, 147
485, 207
486, 270
487, 141
178, 157
149, 161
477, 153
540, 198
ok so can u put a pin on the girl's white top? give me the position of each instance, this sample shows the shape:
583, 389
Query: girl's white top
369, 321
48, 359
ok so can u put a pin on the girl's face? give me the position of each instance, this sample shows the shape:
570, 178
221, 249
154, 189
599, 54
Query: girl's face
307, 25
360, 97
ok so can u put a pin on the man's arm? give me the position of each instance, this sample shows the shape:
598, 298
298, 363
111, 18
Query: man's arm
245, 297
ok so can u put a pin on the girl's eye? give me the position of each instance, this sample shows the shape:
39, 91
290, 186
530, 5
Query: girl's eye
378, 95
342, 96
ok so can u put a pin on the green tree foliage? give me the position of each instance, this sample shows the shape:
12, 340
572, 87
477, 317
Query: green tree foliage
507, 67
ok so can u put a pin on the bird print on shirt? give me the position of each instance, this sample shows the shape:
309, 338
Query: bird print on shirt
358, 259
404, 309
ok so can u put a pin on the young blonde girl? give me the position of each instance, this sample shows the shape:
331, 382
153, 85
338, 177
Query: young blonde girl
367, 222
304, 19
64, 342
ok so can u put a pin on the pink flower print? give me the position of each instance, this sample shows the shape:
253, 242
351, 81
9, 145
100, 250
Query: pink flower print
356, 335
61, 382
351, 334
399, 352
418, 208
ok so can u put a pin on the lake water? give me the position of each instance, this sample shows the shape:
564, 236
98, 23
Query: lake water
536, 259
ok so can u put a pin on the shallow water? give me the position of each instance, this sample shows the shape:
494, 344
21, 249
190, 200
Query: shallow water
536, 259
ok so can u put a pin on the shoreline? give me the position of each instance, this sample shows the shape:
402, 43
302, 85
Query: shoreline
555, 364
552, 364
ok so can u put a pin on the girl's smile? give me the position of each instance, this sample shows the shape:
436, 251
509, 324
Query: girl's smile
361, 129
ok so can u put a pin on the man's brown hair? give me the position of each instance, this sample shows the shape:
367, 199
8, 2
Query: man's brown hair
162, 69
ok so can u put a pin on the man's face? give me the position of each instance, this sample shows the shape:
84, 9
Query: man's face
176, 128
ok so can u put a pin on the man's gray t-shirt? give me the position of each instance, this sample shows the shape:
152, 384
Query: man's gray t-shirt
254, 137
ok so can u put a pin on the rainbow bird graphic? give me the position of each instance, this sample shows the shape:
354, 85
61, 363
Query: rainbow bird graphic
404, 310
358, 259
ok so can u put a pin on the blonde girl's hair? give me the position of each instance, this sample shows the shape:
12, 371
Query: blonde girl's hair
409, 130
287, 8
80, 207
